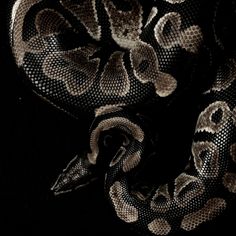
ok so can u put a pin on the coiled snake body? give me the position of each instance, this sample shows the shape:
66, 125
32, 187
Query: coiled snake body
102, 57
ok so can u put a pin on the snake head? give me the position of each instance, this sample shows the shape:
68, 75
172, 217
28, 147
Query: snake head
78, 173
88, 167
110, 137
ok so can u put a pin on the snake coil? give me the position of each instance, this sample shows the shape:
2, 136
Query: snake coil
108, 58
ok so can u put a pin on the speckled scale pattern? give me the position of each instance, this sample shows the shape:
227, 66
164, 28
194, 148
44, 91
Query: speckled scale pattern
106, 59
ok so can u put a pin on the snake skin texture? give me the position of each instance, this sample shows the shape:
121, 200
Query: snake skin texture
109, 58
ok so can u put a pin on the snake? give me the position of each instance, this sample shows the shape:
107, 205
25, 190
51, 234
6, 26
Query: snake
118, 62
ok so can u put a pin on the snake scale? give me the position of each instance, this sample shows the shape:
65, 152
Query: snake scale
106, 58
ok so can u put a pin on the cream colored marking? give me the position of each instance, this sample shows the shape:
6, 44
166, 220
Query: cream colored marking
19, 12
206, 158
205, 122
209, 211
189, 39
121, 123
225, 76
142, 53
234, 116
159, 227
124, 211
131, 161
183, 181
115, 79
157, 203
107, 109
14, 12
36, 44
175, 1
86, 13
73, 63
233, 152
49, 21
152, 14
169, 39
229, 182
125, 26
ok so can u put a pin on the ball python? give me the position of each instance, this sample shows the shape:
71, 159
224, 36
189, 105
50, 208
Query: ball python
109, 59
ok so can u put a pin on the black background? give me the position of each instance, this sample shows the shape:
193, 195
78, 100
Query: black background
37, 141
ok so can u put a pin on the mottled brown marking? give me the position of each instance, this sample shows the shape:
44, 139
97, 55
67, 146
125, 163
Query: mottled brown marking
124, 211
161, 200
205, 122
189, 39
168, 39
229, 182
125, 26
187, 187
143, 53
107, 109
86, 13
19, 12
225, 76
206, 158
159, 227
36, 44
233, 152
115, 79
76, 69
209, 211
49, 21
234, 116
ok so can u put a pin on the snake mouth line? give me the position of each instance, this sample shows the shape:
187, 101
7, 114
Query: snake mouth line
59, 188
78, 174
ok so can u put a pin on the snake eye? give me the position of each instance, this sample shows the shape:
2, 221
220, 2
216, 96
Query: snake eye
113, 139
107, 140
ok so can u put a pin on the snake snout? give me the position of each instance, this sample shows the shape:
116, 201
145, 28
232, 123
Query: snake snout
81, 171
78, 173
